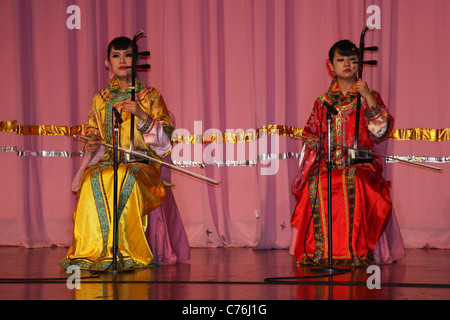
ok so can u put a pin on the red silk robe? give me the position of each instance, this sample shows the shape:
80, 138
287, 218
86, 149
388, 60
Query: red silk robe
361, 205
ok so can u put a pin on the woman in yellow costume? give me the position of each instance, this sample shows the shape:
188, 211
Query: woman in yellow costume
140, 189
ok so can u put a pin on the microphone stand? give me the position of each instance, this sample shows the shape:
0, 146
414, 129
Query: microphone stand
117, 121
330, 206
330, 269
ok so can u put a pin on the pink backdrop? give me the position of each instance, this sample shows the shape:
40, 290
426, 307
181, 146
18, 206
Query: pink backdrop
232, 64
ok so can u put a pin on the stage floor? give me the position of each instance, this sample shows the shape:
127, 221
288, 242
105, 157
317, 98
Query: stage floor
225, 274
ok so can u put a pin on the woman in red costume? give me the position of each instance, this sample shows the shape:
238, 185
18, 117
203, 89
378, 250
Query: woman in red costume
361, 205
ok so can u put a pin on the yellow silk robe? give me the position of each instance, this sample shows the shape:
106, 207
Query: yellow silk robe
139, 187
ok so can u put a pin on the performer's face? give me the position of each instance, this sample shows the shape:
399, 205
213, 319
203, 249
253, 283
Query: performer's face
119, 60
344, 66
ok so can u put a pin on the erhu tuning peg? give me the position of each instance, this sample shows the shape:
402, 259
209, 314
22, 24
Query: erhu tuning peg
371, 62
371, 49
143, 66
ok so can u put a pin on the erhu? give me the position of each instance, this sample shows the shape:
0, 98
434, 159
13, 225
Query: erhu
130, 156
354, 156
133, 155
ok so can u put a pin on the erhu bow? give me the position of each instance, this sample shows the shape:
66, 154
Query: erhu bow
154, 160
371, 154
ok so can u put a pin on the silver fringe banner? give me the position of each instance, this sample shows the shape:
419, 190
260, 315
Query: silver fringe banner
227, 163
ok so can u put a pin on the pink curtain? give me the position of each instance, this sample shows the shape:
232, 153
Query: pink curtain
231, 64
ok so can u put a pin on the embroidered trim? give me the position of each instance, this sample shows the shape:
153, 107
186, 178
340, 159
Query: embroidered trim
372, 112
348, 177
102, 265
315, 199
127, 188
97, 189
148, 122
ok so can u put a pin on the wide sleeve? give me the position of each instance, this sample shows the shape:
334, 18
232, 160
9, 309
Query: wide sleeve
93, 127
307, 156
93, 130
380, 122
314, 121
157, 128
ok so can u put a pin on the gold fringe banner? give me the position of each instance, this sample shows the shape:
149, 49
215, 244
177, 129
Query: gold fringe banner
52, 130
238, 136
423, 134
434, 135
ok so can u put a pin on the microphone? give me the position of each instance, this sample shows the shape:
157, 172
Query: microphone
117, 115
331, 108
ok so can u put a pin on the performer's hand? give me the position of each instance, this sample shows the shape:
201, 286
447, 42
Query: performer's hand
364, 91
93, 145
311, 141
133, 107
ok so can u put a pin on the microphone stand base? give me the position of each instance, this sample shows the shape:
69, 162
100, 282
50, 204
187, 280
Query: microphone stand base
330, 270
119, 270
